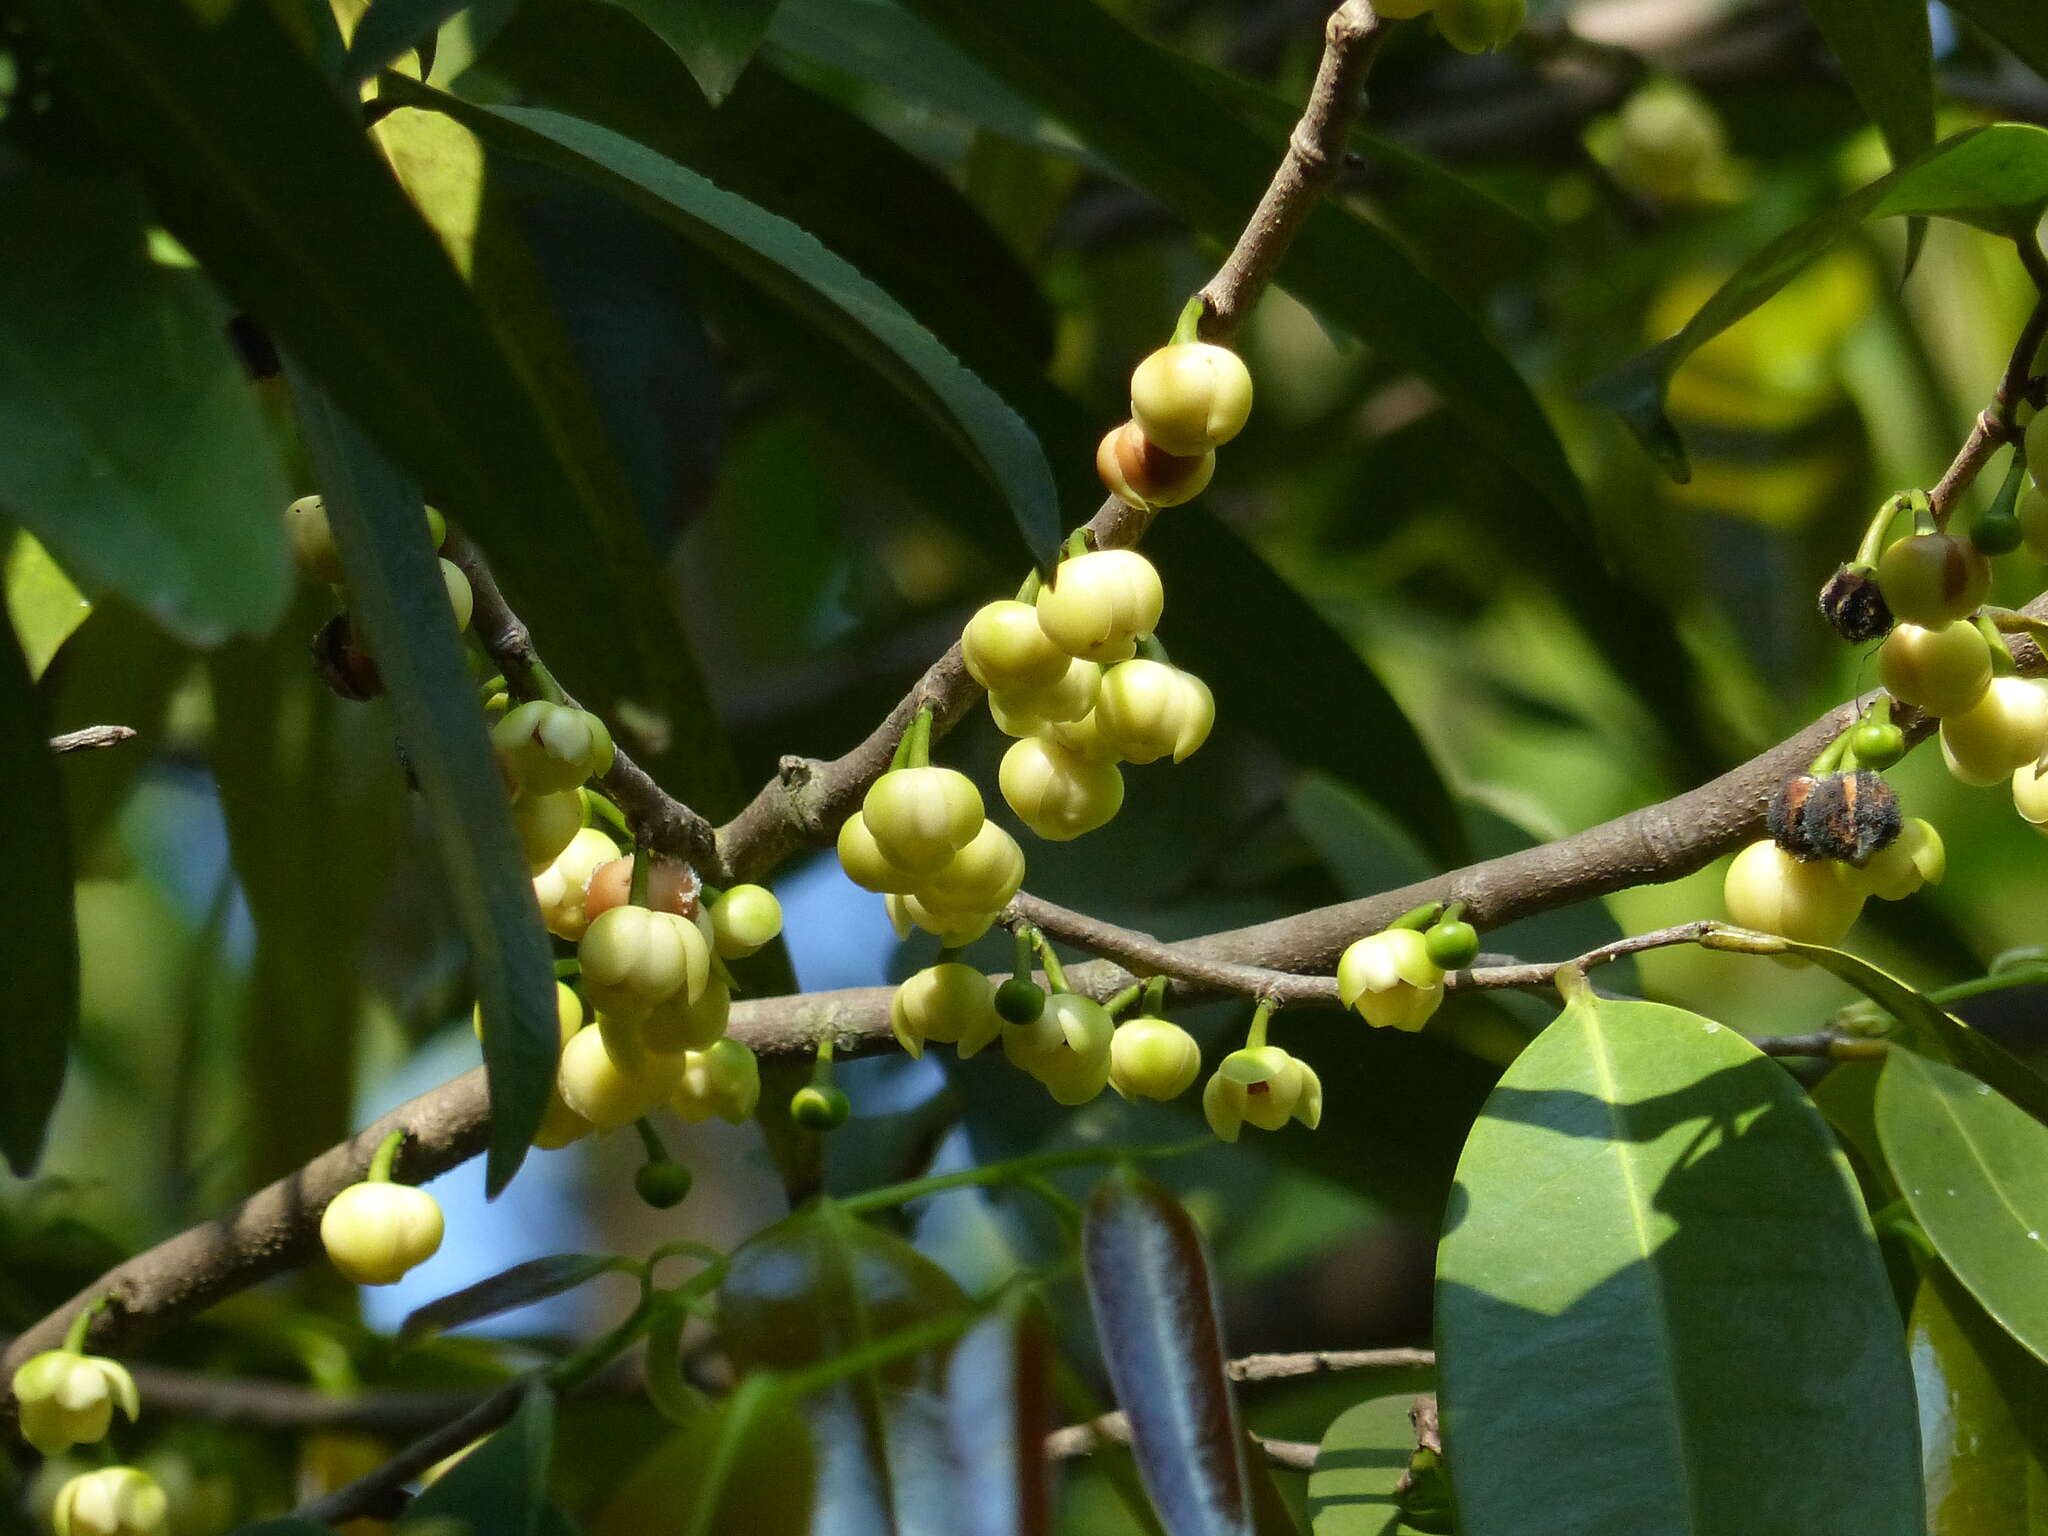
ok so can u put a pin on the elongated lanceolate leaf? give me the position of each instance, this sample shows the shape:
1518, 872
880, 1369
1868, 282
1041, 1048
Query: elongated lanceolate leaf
1161, 1333
1886, 51
714, 41
2022, 25
1660, 1308
792, 267
1983, 1413
521, 1285
37, 916
1974, 1168
1995, 178
397, 597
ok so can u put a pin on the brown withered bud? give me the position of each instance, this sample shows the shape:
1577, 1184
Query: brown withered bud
343, 664
1843, 816
1853, 604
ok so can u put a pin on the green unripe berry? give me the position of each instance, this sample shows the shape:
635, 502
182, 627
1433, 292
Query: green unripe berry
1996, 530
1877, 744
1020, 1000
663, 1184
1478, 26
1452, 946
819, 1108
2032, 512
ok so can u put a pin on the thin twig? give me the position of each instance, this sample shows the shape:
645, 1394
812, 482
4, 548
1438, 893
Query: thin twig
91, 737
1114, 1429
381, 1494
1318, 1362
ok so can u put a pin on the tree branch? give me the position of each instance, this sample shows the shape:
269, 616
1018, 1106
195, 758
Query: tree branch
1114, 1429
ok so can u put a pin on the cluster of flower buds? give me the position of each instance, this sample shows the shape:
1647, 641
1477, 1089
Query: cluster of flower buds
338, 651
66, 1397
1470, 26
1837, 839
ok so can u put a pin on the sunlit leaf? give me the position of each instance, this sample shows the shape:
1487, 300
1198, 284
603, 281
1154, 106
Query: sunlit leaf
45, 606
1974, 1168
1995, 178
1653, 1226
1364, 1454
136, 451
1160, 1328
397, 596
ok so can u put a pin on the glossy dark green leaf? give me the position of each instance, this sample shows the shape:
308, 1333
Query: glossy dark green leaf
2019, 24
501, 1486
251, 181
137, 453
398, 599
1160, 1328
42, 932
1983, 1407
1974, 1168
1653, 1228
715, 41
1359, 1466
391, 27
1995, 178
790, 266
1127, 99
1885, 51
999, 1409
521, 1285
814, 1287
1933, 1029
1328, 711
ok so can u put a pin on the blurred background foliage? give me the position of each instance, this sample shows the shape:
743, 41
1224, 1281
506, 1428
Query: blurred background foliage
266, 954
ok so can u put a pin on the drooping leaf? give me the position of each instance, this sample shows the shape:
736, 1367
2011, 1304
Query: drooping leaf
715, 41
1983, 1413
1974, 1168
523, 1284
1127, 99
392, 27
1995, 178
1159, 1325
502, 1485
1887, 54
36, 911
46, 608
1653, 1226
998, 1413
2019, 24
398, 599
1364, 1454
819, 1285
791, 266
136, 450
273, 186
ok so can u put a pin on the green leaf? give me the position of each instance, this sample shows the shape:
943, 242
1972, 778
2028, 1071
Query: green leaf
249, 180
1128, 100
998, 1413
744, 1465
1160, 1328
397, 597
501, 1486
137, 453
819, 1285
37, 916
521, 1285
716, 41
1973, 1167
1359, 1466
1364, 849
789, 265
1329, 710
1886, 53
1995, 178
392, 27
1653, 1227
46, 608
1983, 1408
2019, 24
